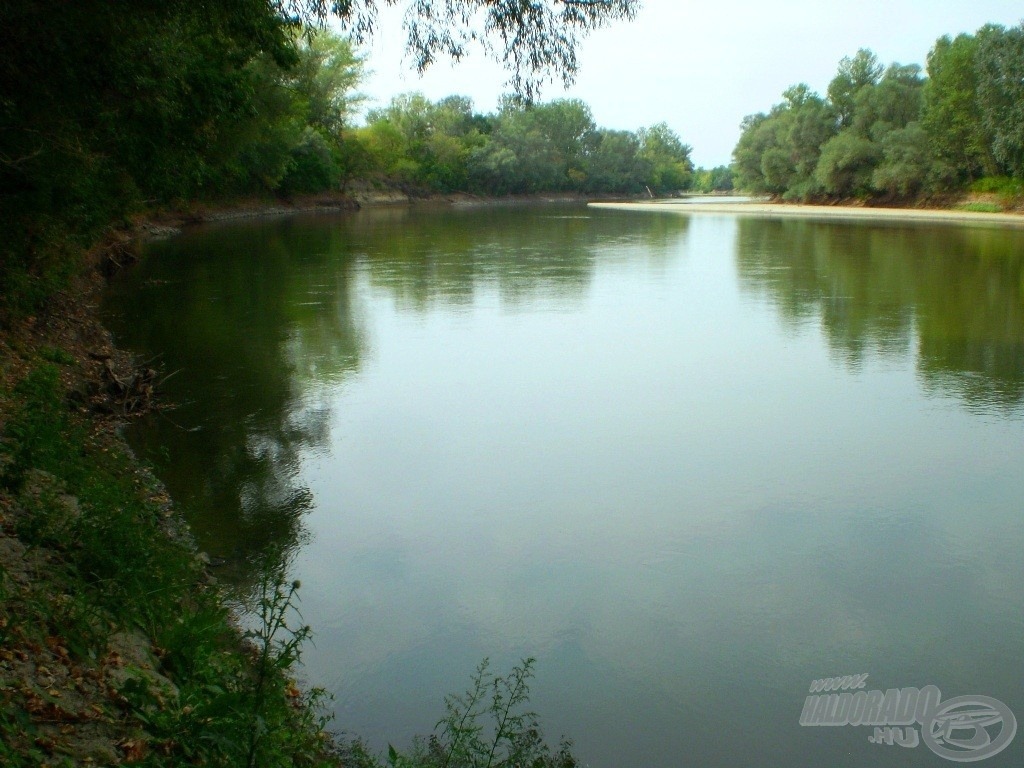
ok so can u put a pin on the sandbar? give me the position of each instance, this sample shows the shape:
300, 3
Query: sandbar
823, 212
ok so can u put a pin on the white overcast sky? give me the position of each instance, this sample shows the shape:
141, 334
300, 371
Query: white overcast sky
702, 66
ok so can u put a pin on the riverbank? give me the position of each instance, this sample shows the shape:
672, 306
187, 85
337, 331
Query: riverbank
822, 212
117, 645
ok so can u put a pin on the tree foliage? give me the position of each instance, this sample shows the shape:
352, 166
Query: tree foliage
855, 74
668, 160
951, 112
1000, 62
890, 131
534, 40
523, 148
106, 104
778, 152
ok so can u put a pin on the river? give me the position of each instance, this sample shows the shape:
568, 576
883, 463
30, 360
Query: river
690, 463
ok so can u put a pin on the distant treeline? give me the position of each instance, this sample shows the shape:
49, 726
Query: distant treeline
895, 132
445, 146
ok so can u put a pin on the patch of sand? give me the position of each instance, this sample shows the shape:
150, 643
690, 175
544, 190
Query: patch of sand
824, 212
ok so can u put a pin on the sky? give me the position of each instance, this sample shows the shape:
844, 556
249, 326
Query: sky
701, 66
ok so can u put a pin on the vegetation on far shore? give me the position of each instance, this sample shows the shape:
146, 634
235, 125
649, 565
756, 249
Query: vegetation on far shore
896, 133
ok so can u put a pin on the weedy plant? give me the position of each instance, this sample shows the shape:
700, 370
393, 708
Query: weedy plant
1009, 190
278, 645
490, 725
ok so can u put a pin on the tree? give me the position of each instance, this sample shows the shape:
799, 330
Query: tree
387, 151
756, 136
569, 126
613, 165
906, 162
105, 105
717, 179
846, 164
779, 152
325, 77
893, 102
1000, 60
813, 123
668, 159
951, 114
535, 40
519, 132
854, 74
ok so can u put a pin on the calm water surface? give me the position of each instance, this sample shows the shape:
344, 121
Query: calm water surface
689, 463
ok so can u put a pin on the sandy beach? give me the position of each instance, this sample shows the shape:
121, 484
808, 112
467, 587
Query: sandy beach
824, 212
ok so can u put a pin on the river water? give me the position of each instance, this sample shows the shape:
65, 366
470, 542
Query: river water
690, 463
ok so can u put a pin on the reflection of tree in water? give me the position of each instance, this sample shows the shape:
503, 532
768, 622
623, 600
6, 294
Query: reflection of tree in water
251, 315
521, 254
957, 292
261, 319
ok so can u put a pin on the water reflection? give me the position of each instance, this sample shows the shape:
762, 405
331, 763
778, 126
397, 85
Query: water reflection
264, 321
446, 259
581, 436
253, 322
952, 296
260, 322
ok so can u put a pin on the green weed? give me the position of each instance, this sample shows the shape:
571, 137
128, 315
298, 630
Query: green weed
85, 500
981, 207
56, 355
487, 726
277, 637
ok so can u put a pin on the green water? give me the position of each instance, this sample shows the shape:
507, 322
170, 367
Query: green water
689, 463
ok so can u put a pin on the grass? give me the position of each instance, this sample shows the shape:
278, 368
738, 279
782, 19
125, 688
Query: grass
981, 207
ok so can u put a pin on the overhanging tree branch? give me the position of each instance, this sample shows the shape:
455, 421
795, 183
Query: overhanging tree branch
535, 40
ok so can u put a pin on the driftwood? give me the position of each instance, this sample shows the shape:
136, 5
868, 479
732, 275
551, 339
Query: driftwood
131, 392
121, 251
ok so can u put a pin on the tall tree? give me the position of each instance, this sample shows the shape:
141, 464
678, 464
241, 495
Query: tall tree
951, 114
668, 158
812, 124
325, 77
847, 163
569, 125
778, 152
855, 74
1000, 58
613, 165
105, 104
756, 137
906, 166
892, 103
